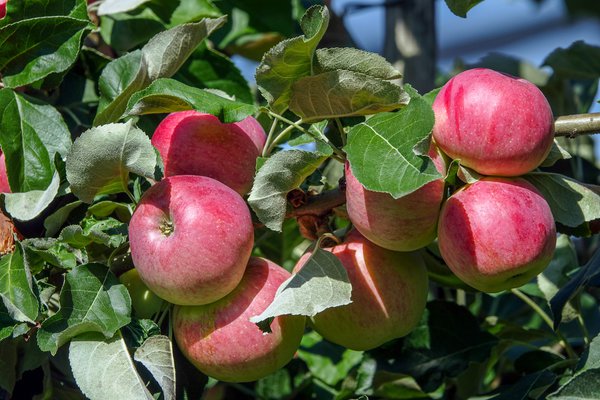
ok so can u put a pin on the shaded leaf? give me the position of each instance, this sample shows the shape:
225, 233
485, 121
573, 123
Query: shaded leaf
103, 368
8, 365
572, 204
156, 354
529, 387
168, 95
461, 7
16, 287
344, 94
56, 220
161, 57
281, 173
91, 300
355, 60
291, 59
578, 61
321, 283
557, 153
102, 158
381, 150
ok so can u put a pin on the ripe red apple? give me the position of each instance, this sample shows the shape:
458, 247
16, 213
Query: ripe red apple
4, 186
3, 8
191, 237
493, 123
403, 224
497, 233
219, 338
193, 143
144, 303
389, 294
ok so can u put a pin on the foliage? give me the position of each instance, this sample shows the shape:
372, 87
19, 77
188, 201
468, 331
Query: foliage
83, 87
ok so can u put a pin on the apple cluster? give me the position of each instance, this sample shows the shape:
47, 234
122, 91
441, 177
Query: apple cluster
498, 232
191, 239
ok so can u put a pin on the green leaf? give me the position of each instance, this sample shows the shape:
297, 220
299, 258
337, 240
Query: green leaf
442, 346
168, 95
40, 40
557, 153
461, 7
16, 287
103, 368
326, 361
355, 60
91, 300
109, 232
188, 11
572, 203
32, 134
381, 150
28, 205
344, 94
322, 283
156, 354
102, 158
55, 252
585, 384
126, 32
525, 388
118, 6
8, 365
281, 173
56, 220
578, 61
161, 57
291, 59
7, 324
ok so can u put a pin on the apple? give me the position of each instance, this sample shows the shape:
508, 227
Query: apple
145, 303
403, 224
219, 338
497, 233
191, 237
4, 186
493, 123
3, 8
389, 295
193, 143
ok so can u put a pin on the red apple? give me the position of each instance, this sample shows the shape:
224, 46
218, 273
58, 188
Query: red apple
389, 294
497, 233
4, 186
192, 143
402, 224
3, 8
219, 338
191, 237
493, 123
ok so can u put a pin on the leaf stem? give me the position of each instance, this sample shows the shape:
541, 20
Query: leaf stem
269, 138
340, 128
535, 307
575, 125
584, 330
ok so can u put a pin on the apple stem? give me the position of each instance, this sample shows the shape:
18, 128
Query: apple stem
166, 227
575, 125
535, 307
320, 203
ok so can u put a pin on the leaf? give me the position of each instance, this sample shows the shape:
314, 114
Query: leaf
344, 94
354, 60
321, 283
578, 61
161, 57
168, 95
103, 368
91, 300
40, 40
589, 274
291, 59
16, 287
28, 205
448, 339
156, 354
102, 158
572, 204
32, 134
557, 153
55, 252
461, 7
118, 6
109, 232
585, 384
381, 150
56, 220
281, 173
7, 324
536, 382
8, 365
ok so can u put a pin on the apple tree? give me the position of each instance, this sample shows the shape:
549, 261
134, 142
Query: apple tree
169, 230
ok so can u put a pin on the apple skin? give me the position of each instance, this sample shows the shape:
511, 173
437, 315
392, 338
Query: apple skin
497, 233
193, 143
219, 338
403, 224
4, 186
389, 295
190, 238
144, 303
3, 8
493, 123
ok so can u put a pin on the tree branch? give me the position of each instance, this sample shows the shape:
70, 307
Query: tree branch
320, 204
572, 126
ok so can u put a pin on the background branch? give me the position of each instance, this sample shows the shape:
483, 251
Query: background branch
575, 125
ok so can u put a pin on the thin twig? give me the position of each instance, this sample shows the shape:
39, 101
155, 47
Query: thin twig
575, 125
